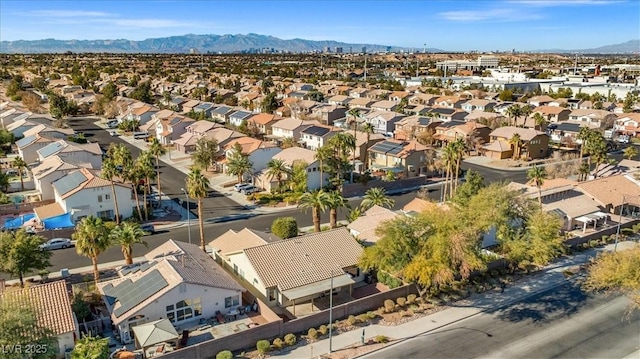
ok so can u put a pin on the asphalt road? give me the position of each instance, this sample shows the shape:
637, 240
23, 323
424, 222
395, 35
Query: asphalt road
562, 322
217, 205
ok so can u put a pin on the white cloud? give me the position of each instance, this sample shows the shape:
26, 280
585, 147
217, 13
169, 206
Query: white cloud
67, 13
489, 15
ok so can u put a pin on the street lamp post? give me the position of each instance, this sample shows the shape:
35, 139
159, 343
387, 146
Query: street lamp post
331, 315
188, 214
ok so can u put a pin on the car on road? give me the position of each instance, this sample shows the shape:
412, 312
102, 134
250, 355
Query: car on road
113, 133
249, 189
56, 243
148, 228
240, 186
112, 124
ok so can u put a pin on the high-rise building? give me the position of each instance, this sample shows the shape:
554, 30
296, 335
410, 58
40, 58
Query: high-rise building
364, 49
338, 50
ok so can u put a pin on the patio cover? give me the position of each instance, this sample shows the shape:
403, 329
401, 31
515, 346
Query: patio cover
156, 332
61, 221
592, 217
16, 223
318, 287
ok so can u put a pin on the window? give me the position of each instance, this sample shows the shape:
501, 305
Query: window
184, 309
232, 301
99, 198
271, 294
107, 197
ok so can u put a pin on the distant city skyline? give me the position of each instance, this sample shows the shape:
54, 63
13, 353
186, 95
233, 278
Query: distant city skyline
524, 25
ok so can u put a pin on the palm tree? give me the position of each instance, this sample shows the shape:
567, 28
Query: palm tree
20, 165
238, 164
630, 152
525, 111
447, 160
318, 201
537, 175
197, 185
204, 154
516, 142
109, 172
144, 169
368, 129
458, 148
156, 150
126, 235
288, 142
355, 114
276, 168
539, 120
376, 197
323, 154
336, 202
341, 143
584, 171
91, 240
583, 135
514, 112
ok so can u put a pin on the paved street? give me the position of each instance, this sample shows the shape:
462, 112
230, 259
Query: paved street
562, 322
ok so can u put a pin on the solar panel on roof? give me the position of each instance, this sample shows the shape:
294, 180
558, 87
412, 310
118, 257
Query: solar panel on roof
139, 291
25, 141
51, 148
69, 182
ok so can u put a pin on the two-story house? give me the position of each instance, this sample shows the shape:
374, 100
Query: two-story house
385, 105
361, 103
472, 133
316, 178
531, 144
553, 114
382, 121
340, 100
258, 152
289, 128
628, 124
316, 136
478, 105
591, 118
238, 117
221, 113
327, 114
49, 170
450, 102
407, 158
90, 153
28, 147
410, 128
172, 128
263, 122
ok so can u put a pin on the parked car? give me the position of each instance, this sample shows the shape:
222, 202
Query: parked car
113, 133
56, 243
112, 124
148, 228
240, 186
249, 189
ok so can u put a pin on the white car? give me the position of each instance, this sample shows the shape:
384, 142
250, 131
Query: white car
56, 243
249, 189
240, 186
113, 133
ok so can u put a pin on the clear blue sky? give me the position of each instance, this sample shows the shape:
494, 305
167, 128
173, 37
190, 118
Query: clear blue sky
456, 25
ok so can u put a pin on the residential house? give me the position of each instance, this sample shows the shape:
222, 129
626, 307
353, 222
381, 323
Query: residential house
178, 281
410, 128
205, 108
222, 136
302, 109
28, 147
363, 142
447, 114
384, 105
472, 133
315, 263
327, 114
300, 86
379, 94
238, 117
614, 193
592, 118
553, 114
358, 93
49, 170
232, 242
172, 128
315, 177
533, 144
259, 152
189, 106
74, 152
423, 99
289, 127
222, 113
450, 102
382, 121
364, 227
566, 133
263, 122
478, 105
52, 307
82, 193
407, 158
142, 114
49, 132
541, 100
480, 116
398, 96
316, 136
340, 100
17, 128
628, 124
361, 103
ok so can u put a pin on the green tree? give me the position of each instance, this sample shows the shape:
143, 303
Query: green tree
20, 165
110, 91
238, 163
285, 227
335, 203
20, 254
516, 142
474, 182
317, 201
19, 326
145, 170
92, 240
368, 129
4, 182
197, 185
90, 347
298, 180
458, 149
514, 111
506, 95
376, 197
617, 272
630, 152
126, 235
537, 175
142, 92
110, 172
156, 149
539, 121
277, 168
269, 103
204, 155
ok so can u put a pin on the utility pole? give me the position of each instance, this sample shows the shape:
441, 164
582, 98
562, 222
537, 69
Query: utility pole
365, 66
331, 315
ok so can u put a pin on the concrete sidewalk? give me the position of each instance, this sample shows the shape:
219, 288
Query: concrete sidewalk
551, 276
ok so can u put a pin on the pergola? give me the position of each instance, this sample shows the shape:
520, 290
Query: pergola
592, 218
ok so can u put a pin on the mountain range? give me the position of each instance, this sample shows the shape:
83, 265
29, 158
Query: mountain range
233, 44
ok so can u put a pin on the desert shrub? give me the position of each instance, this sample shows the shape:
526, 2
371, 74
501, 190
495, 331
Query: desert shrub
285, 227
388, 280
389, 305
362, 318
401, 301
371, 315
225, 354
263, 346
278, 343
593, 243
351, 320
312, 333
290, 339
411, 298
323, 330
407, 313
324, 228
380, 339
